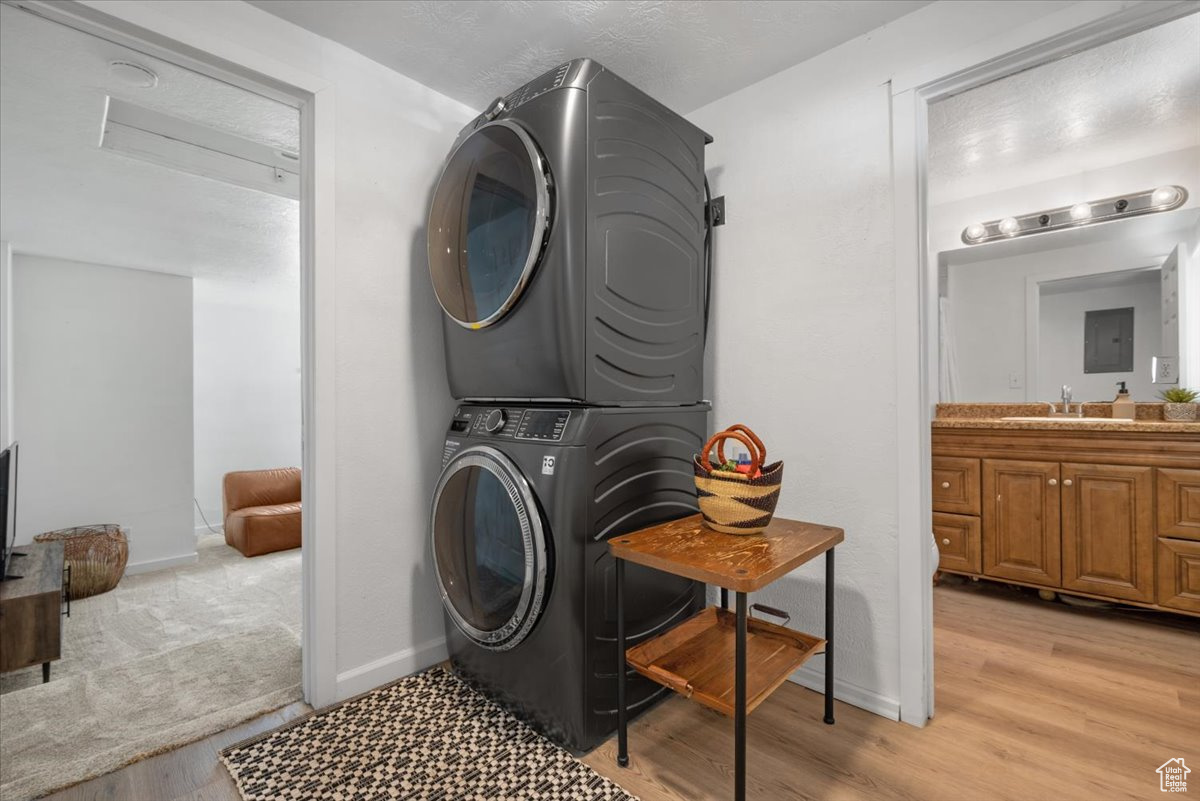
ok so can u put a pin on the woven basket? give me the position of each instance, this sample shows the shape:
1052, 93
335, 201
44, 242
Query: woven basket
97, 555
737, 503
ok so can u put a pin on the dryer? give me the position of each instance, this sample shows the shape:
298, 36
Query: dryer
527, 497
566, 244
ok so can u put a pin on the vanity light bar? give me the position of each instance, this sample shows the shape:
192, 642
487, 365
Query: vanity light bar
1151, 201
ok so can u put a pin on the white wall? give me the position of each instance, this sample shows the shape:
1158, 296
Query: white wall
988, 302
102, 361
803, 344
392, 401
246, 381
947, 221
1189, 310
1060, 340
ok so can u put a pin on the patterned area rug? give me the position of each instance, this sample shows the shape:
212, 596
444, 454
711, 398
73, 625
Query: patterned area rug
428, 737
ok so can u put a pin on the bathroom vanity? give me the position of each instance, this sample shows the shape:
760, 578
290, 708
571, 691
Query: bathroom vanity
1102, 509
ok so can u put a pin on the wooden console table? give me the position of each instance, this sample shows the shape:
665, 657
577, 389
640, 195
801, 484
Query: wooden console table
693, 658
31, 608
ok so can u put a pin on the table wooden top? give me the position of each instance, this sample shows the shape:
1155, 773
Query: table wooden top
738, 562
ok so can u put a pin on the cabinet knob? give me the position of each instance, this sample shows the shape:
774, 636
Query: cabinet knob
1054, 482
945, 541
1067, 482
945, 485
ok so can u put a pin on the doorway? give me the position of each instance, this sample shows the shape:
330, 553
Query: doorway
918, 280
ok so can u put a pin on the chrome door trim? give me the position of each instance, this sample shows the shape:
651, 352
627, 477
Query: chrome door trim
541, 225
533, 589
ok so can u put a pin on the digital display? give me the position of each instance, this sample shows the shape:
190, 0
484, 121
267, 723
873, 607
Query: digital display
538, 424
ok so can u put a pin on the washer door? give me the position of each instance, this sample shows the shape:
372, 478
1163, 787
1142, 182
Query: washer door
488, 223
489, 548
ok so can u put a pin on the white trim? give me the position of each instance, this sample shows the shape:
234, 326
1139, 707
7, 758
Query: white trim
149, 565
814, 679
391, 667
153, 28
1078, 27
6, 362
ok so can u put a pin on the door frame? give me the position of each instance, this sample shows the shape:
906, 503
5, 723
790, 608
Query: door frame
1078, 27
148, 28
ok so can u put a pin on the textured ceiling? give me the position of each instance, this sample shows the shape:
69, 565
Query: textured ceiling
1129, 99
685, 53
61, 195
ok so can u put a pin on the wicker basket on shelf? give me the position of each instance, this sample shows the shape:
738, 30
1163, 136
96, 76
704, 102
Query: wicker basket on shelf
734, 502
96, 555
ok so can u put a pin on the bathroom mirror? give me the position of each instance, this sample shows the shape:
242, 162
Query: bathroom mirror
1063, 244
1085, 308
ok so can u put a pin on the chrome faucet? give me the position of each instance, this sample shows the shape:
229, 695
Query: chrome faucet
1066, 405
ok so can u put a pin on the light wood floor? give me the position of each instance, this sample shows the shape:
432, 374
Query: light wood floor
1034, 701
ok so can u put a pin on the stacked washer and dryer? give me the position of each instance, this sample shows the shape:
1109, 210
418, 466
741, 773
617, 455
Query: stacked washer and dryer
567, 247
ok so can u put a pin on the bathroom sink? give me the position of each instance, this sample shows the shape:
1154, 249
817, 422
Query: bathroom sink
1068, 419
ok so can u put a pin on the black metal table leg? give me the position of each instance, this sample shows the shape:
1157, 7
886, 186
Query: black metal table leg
829, 636
739, 690
45, 672
622, 735
724, 598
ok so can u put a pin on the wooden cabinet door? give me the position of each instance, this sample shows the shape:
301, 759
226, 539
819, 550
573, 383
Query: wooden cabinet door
957, 541
1108, 530
1179, 503
1021, 527
1179, 574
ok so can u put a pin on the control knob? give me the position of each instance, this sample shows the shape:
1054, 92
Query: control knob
495, 421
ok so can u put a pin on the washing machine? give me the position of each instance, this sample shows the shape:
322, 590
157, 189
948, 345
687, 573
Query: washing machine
527, 498
567, 246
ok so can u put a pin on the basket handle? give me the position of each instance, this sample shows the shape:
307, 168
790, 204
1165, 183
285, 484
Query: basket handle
721, 436
758, 443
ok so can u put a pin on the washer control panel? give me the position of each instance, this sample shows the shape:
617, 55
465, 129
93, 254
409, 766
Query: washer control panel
542, 425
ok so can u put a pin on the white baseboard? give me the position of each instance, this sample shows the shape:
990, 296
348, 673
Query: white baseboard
203, 530
389, 668
158, 564
814, 679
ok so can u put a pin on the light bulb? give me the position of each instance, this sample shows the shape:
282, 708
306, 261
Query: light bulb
1164, 196
1009, 226
1081, 211
975, 231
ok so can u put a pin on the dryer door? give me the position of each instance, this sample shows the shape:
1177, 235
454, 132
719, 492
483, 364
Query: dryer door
488, 223
489, 548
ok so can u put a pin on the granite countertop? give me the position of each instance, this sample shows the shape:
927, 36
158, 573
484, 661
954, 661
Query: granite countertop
990, 415
1052, 424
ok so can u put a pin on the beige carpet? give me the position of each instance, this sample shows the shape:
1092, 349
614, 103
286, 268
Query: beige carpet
165, 658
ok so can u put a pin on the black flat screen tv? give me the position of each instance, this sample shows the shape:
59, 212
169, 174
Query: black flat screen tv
8, 507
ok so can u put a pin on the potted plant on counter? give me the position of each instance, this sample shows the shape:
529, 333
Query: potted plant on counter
1179, 404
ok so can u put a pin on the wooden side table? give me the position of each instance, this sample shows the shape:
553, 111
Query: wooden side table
693, 658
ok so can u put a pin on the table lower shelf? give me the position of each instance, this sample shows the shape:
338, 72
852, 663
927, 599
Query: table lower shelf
695, 659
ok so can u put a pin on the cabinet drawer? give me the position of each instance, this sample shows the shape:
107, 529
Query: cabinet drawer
1179, 574
1179, 503
956, 485
958, 542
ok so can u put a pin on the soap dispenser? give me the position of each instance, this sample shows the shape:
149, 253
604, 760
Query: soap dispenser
1123, 407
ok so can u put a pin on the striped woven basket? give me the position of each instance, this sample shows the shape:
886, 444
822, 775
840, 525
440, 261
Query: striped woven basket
737, 503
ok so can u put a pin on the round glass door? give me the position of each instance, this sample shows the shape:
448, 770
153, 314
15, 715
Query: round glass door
489, 548
487, 223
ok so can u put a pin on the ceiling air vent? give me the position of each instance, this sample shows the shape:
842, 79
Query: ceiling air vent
192, 148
